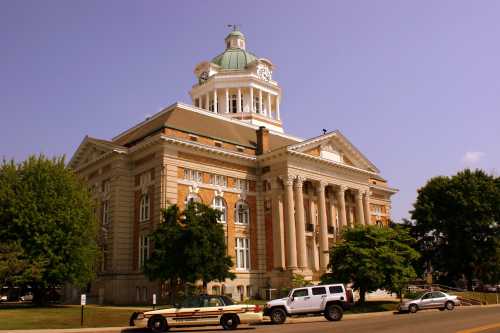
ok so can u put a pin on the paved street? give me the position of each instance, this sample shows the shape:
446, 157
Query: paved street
461, 320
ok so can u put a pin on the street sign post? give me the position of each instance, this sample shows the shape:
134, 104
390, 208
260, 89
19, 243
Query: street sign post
154, 301
83, 302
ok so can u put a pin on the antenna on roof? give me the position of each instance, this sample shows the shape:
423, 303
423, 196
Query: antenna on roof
236, 27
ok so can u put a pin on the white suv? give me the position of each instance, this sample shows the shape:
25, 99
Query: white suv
329, 300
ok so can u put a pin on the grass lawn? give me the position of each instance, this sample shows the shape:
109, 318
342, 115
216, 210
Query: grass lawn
63, 317
373, 306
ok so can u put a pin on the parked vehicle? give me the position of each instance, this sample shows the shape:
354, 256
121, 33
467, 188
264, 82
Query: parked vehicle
3, 298
201, 310
26, 298
430, 300
329, 300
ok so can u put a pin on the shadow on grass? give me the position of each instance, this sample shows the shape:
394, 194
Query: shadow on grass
373, 306
183, 329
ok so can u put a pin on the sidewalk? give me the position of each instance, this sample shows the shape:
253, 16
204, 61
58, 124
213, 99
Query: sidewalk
308, 319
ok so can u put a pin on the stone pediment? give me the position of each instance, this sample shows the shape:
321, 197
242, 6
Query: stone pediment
336, 148
92, 149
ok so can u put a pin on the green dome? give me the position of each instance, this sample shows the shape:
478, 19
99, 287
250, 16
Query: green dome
234, 58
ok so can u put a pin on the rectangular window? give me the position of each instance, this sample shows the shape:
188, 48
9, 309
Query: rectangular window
242, 253
144, 208
319, 291
242, 184
106, 186
143, 250
219, 180
336, 290
106, 218
193, 175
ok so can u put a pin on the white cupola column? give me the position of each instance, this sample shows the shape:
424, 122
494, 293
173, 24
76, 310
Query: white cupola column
261, 111
269, 114
278, 107
238, 107
207, 101
227, 100
215, 101
251, 110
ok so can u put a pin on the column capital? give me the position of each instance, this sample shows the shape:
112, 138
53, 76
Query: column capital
321, 184
342, 188
299, 181
288, 180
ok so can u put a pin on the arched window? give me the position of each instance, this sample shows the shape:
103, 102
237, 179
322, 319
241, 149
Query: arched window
192, 197
242, 213
144, 208
220, 204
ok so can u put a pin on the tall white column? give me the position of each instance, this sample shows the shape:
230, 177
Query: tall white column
323, 228
332, 211
269, 114
227, 100
291, 244
312, 220
215, 101
260, 102
278, 226
251, 110
341, 207
278, 107
360, 215
300, 226
207, 101
366, 207
238, 107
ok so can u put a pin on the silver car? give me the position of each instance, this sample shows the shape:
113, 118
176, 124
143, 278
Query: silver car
430, 300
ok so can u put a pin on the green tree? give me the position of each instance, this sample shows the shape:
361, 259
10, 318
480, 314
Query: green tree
47, 226
456, 225
371, 258
189, 246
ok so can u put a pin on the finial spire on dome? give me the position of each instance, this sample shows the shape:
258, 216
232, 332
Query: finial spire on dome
235, 39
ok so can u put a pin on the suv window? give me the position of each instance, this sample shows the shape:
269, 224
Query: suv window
211, 301
300, 293
319, 291
336, 290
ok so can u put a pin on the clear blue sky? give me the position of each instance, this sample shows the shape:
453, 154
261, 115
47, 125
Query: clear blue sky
415, 85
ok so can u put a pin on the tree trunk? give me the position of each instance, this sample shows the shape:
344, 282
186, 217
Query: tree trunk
39, 295
362, 293
173, 291
205, 287
468, 276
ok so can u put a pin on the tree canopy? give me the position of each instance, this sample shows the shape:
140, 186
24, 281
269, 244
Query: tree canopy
371, 258
189, 246
47, 226
456, 224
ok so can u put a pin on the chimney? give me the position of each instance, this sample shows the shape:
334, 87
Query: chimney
262, 140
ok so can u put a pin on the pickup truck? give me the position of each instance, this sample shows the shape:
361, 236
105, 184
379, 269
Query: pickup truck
329, 300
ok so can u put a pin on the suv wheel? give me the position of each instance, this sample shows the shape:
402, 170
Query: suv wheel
158, 324
413, 308
333, 312
229, 322
449, 305
278, 316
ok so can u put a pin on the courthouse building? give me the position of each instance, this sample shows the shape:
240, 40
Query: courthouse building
283, 199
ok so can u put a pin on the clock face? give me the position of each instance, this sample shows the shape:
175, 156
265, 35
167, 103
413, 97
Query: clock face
264, 73
203, 76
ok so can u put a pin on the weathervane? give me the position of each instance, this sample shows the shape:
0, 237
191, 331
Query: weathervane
236, 27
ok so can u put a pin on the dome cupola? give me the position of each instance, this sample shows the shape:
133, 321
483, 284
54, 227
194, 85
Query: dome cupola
239, 85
